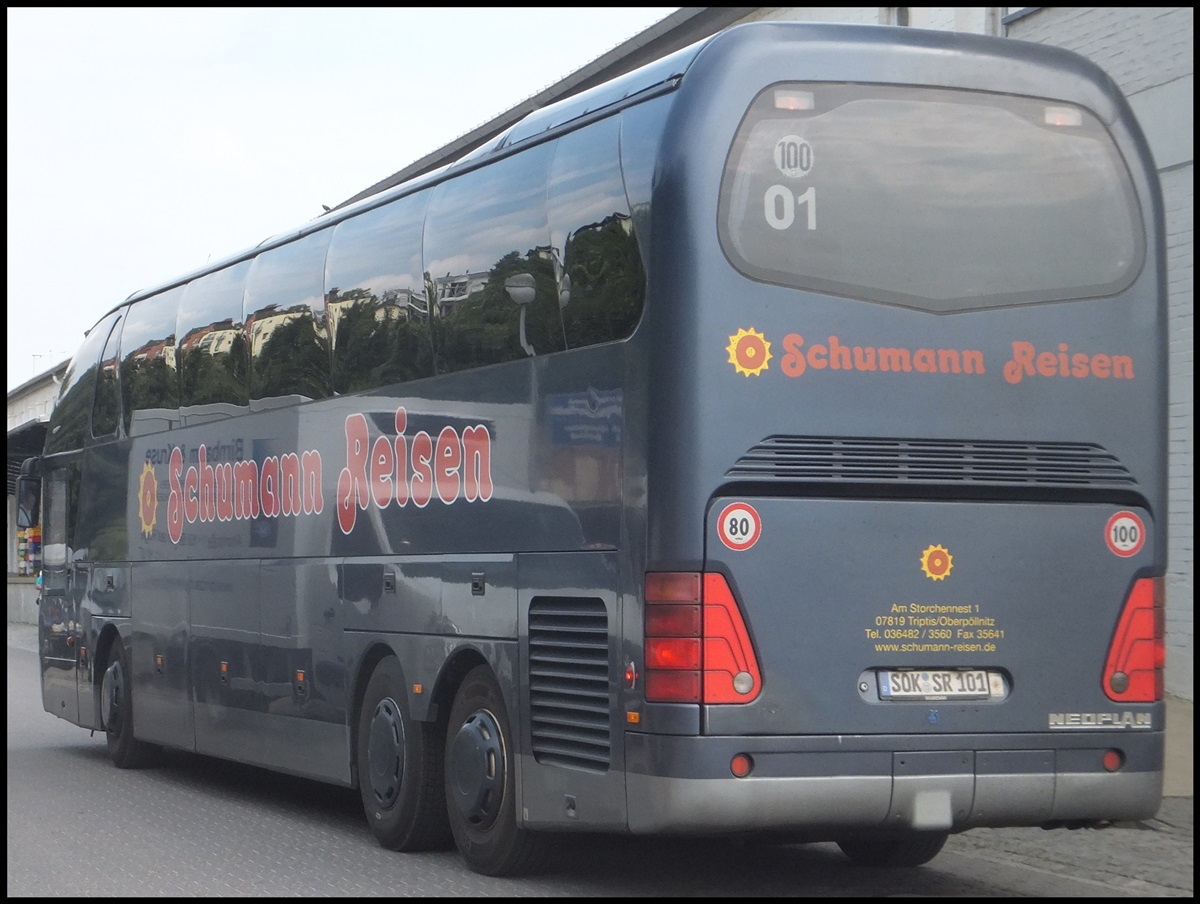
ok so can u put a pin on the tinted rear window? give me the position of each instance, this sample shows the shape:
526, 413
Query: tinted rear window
944, 200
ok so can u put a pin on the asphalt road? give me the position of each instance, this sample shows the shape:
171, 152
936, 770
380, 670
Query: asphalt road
195, 826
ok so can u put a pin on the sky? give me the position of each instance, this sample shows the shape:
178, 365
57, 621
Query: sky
143, 144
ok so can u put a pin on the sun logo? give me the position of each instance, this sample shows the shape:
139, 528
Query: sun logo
749, 352
148, 499
936, 562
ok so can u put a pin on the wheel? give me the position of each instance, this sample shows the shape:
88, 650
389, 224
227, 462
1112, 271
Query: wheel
480, 796
894, 850
116, 712
399, 767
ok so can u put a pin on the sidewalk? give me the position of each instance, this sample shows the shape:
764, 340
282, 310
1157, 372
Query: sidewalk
1177, 780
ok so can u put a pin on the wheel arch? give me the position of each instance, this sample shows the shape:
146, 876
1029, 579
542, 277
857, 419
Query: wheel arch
372, 656
109, 634
456, 667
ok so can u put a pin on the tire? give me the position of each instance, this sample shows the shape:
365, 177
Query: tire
116, 712
399, 764
894, 851
480, 795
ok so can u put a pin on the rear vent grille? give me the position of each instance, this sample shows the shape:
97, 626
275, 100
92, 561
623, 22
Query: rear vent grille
984, 463
569, 682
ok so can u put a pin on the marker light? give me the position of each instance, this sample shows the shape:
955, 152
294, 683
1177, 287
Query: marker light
1133, 672
790, 99
1063, 116
1113, 760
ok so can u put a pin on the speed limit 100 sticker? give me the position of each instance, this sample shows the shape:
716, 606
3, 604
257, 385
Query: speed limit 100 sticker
739, 526
1125, 534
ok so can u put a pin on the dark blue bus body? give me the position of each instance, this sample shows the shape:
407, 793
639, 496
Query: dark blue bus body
773, 440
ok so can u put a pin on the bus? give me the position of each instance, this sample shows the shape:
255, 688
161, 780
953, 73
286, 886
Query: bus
769, 443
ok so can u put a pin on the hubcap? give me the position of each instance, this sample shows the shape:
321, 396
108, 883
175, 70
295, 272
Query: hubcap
478, 769
385, 752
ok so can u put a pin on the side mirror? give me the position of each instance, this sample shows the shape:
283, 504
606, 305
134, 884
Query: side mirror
29, 501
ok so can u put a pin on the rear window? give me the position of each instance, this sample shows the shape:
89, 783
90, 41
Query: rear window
944, 200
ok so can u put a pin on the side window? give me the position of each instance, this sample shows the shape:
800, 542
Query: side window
642, 128
285, 323
149, 378
489, 265
599, 274
69, 421
214, 380
106, 409
378, 314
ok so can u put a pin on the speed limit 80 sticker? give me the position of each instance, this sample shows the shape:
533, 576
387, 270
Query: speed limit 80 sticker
1125, 534
739, 526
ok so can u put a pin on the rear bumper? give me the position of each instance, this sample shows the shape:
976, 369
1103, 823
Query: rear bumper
889, 782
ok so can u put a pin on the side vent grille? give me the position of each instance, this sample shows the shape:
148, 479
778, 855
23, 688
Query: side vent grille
982, 463
569, 682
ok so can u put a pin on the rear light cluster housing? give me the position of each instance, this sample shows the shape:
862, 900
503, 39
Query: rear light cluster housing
697, 647
1133, 672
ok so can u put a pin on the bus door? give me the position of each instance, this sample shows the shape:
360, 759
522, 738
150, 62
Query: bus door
225, 654
304, 677
162, 695
58, 613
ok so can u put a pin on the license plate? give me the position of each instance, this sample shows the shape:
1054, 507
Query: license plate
941, 684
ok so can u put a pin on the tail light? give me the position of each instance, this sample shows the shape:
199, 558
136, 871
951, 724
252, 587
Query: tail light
1137, 654
697, 647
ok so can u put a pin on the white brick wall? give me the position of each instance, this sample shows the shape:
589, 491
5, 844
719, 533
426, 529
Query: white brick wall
1138, 46
1177, 193
1148, 52
973, 19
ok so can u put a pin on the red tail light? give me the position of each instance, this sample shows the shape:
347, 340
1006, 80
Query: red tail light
1137, 654
697, 647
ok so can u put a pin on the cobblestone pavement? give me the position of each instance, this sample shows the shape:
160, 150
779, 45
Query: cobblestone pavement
1154, 857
